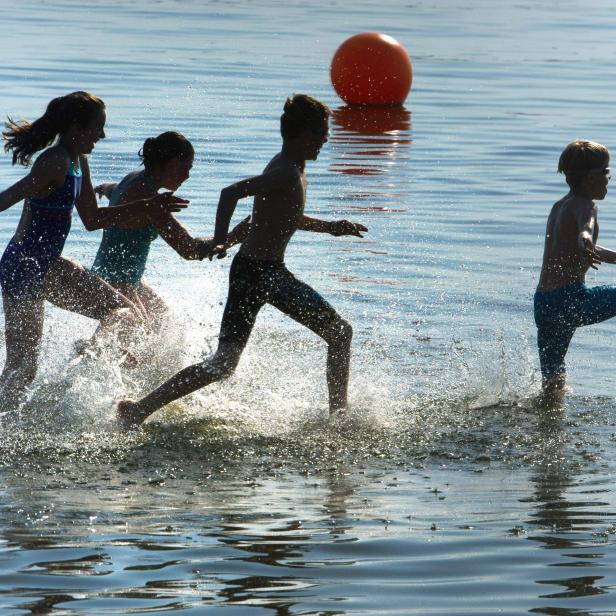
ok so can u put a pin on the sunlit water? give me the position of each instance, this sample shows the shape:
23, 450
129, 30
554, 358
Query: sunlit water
445, 491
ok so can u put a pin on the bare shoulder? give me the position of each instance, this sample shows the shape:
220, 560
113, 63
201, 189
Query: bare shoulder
283, 170
581, 206
135, 189
52, 160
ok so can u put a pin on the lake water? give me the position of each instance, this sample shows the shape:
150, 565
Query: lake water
444, 492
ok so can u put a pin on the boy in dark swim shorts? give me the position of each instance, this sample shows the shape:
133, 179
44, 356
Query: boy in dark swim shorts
258, 274
562, 301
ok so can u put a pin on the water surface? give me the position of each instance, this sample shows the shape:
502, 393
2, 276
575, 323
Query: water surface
445, 491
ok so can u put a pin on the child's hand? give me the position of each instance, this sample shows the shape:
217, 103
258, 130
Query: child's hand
209, 248
345, 227
105, 190
591, 254
166, 203
593, 259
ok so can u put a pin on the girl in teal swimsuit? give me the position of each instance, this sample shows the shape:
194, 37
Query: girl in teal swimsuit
32, 269
123, 253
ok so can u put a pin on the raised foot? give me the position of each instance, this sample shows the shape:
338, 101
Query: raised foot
127, 415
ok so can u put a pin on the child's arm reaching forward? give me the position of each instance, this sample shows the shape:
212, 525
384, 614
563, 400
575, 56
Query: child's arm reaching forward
336, 227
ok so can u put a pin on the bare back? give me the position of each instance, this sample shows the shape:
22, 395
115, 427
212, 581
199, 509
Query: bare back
277, 213
564, 261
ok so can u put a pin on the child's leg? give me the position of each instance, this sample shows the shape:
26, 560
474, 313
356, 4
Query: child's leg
154, 305
221, 365
130, 293
596, 304
553, 343
303, 304
23, 333
243, 304
70, 286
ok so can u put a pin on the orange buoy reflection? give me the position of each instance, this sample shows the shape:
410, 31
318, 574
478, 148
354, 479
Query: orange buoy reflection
369, 140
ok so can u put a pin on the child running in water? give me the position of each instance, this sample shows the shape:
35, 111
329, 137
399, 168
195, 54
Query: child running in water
124, 250
258, 274
562, 301
31, 268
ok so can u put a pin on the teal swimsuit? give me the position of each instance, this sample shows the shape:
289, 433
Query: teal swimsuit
123, 253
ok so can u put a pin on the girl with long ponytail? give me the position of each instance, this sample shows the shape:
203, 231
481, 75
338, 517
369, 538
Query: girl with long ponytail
32, 269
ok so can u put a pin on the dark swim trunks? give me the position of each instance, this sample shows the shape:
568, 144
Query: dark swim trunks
254, 283
558, 313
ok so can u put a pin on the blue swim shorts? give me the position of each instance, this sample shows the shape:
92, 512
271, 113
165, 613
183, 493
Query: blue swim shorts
558, 313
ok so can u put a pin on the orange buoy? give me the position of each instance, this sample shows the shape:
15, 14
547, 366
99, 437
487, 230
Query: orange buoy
371, 69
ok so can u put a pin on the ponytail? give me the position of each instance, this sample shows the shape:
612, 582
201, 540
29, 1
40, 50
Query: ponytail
25, 138
159, 150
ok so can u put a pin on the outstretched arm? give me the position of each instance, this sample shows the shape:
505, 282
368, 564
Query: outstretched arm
605, 255
95, 217
335, 227
191, 248
180, 239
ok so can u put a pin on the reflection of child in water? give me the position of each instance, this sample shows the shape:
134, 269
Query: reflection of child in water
562, 301
258, 274
124, 250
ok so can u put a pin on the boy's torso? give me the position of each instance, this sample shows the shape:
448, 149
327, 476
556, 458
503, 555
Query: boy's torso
275, 216
564, 262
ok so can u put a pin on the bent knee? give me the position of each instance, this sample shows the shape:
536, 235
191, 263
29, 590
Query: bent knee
340, 332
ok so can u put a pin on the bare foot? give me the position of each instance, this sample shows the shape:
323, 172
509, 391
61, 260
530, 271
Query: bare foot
127, 415
553, 392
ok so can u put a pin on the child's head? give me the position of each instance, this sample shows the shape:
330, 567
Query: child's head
581, 158
168, 156
307, 118
79, 113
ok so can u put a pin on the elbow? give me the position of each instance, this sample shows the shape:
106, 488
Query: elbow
228, 192
91, 225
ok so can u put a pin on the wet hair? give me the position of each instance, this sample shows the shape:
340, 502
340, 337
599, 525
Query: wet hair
580, 157
25, 138
302, 112
159, 150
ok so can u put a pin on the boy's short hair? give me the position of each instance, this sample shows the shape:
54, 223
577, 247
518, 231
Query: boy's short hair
302, 112
580, 157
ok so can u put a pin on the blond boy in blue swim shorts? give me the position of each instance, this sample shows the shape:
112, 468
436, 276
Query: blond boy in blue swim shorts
562, 301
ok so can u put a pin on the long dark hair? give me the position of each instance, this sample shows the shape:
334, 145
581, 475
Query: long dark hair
25, 138
159, 150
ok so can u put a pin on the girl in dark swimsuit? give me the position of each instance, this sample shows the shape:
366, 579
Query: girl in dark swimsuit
31, 268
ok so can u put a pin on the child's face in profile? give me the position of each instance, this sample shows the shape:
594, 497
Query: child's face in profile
91, 133
316, 138
596, 181
176, 172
